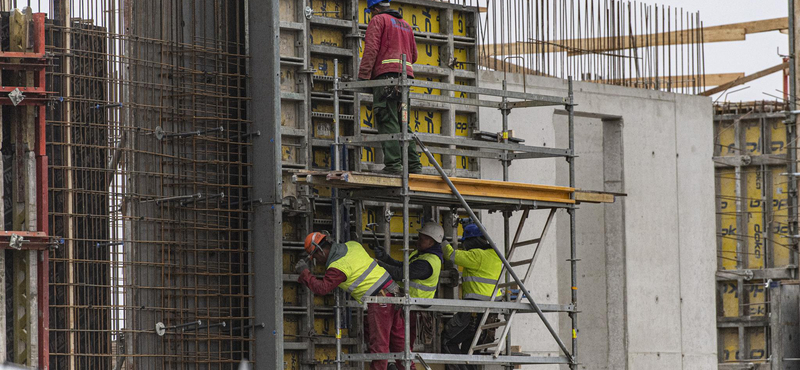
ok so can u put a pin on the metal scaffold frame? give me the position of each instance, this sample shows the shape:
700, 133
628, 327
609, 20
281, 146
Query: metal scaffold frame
509, 152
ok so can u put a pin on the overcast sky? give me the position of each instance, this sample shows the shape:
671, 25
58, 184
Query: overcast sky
758, 52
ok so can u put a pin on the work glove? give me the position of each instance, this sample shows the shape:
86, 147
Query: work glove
301, 266
380, 253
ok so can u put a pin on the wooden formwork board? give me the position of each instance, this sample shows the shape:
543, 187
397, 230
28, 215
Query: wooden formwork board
752, 218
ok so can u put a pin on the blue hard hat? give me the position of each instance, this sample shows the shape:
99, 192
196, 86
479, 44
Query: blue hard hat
470, 231
371, 3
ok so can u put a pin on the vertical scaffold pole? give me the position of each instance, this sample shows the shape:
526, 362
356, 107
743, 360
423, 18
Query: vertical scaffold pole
404, 137
337, 217
506, 214
572, 245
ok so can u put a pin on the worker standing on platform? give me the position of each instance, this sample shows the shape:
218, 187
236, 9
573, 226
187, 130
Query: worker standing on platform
350, 267
481, 271
388, 38
424, 266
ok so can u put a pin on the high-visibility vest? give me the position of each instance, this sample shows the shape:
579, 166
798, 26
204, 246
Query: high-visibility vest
482, 269
364, 276
425, 288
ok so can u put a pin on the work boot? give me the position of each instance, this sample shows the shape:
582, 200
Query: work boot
391, 366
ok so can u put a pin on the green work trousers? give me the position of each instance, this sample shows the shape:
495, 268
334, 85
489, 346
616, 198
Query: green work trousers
386, 112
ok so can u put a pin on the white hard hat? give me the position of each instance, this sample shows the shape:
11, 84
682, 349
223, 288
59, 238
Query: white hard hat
433, 230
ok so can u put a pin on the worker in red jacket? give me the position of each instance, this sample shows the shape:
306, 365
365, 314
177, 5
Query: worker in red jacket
388, 38
349, 267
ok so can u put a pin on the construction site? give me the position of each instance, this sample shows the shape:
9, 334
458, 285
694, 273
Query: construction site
207, 184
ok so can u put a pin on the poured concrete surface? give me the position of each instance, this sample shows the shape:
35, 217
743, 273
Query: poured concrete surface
646, 275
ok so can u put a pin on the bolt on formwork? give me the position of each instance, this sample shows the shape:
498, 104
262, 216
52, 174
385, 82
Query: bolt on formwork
523, 302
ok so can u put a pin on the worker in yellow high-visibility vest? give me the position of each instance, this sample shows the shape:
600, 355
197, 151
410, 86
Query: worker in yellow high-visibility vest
424, 267
349, 267
481, 270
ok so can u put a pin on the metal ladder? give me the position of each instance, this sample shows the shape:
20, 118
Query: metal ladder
499, 343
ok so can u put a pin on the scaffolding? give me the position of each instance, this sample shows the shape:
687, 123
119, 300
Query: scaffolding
505, 151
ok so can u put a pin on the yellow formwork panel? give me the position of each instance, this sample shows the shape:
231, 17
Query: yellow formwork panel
427, 122
726, 136
777, 143
754, 220
459, 24
757, 344
730, 298
426, 90
321, 6
324, 67
290, 292
326, 36
291, 328
752, 137
291, 360
730, 344
756, 293
326, 355
289, 154
322, 158
372, 215
780, 214
462, 130
728, 210
461, 94
461, 55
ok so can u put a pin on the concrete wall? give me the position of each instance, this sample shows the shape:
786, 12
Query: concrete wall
646, 275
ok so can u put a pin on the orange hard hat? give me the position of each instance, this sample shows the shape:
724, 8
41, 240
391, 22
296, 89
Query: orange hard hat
312, 242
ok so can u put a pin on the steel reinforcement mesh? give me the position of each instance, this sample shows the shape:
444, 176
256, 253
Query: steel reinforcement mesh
147, 142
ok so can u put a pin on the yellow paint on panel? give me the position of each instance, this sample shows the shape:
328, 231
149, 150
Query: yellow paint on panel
414, 221
758, 344
291, 360
288, 154
366, 117
322, 158
290, 330
326, 36
324, 66
726, 140
290, 291
777, 143
754, 220
728, 208
780, 251
324, 300
730, 344
462, 130
288, 231
423, 90
459, 24
730, 298
428, 54
752, 136
461, 94
756, 293
321, 6
325, 355
321, 191
428, 122
461, 56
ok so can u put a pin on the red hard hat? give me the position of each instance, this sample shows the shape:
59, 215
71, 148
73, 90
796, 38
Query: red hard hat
311, 240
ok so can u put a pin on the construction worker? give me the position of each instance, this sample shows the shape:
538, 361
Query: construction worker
389, 37
350, 267
481, 270
424, 266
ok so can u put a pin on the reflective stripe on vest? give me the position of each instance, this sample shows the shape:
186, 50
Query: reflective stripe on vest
479, 283
425, 288
390, 61
364, 275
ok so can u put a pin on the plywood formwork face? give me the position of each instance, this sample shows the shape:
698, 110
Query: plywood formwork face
753, 230
309, 45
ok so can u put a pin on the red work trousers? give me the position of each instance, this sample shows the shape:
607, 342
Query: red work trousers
386, 332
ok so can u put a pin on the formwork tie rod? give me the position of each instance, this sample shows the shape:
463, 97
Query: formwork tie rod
494, 246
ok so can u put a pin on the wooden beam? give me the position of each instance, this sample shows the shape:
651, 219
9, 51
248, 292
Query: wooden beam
714, 79
721, 33
510, 67
746, 79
